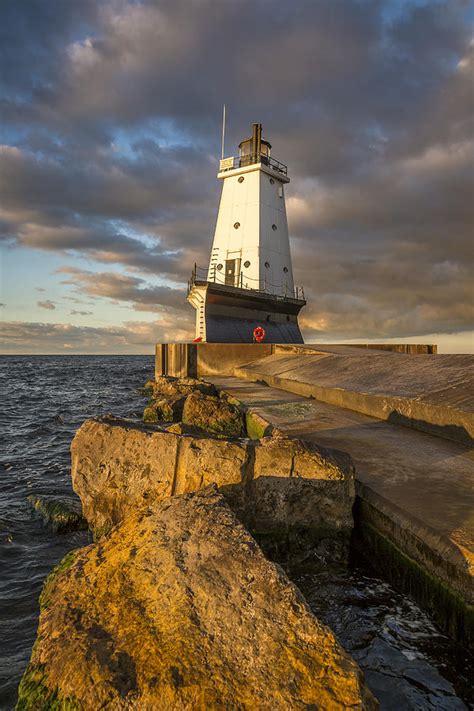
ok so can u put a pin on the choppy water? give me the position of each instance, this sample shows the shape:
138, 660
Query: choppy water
409, 664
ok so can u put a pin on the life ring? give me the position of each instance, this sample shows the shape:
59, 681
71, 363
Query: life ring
258, 334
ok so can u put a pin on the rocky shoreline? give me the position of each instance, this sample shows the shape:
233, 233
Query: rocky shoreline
180, 602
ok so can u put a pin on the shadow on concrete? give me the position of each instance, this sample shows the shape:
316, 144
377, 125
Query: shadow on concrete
457, 433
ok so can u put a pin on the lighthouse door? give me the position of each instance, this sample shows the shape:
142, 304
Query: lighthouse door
232, 271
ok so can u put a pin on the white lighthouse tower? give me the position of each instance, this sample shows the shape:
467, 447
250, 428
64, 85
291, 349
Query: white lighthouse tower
249, 280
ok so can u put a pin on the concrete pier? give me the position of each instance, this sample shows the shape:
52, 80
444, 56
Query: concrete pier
405, 384
415, 503
433, 393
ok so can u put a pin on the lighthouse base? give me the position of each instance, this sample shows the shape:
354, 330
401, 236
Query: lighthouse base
222, 329
228, 314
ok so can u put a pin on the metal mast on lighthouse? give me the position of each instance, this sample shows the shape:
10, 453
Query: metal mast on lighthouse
249, 280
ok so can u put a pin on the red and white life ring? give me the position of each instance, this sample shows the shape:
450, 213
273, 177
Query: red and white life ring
258, 334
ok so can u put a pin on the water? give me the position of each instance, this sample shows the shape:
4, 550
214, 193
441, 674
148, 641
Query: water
44, 400
408, 663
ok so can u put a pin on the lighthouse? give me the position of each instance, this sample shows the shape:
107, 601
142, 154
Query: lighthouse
248, 283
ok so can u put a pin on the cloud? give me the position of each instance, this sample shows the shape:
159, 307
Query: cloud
110, 134
131, 337
48, 305
121, 287
80, 313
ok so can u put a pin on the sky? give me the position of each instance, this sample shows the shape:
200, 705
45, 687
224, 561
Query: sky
110, 129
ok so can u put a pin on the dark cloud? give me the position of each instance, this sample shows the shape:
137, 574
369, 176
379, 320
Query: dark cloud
111, 113
80, 313
48, 305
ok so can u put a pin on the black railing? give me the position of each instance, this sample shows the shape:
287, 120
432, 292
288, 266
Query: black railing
263, 286
243, 161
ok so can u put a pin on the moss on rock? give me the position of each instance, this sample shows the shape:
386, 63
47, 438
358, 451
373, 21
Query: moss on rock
49, 583
214, 415
164, 410
63, 515
256, 426
34, 693
148, 388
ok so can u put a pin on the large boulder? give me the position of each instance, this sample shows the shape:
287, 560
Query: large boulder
179, 609
296, 498
214, 415
169, 387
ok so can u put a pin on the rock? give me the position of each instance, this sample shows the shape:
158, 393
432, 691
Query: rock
302, 497
183, 429
62, 514
148, 388
296, 498
179, 609
213, 414
171, 387
165, 410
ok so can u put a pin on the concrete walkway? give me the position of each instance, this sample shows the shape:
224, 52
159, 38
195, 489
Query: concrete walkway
433, 393
422, 483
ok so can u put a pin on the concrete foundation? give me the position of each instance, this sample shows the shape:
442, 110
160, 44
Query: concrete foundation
198, 360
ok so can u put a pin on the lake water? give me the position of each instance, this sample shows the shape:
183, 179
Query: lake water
409, 664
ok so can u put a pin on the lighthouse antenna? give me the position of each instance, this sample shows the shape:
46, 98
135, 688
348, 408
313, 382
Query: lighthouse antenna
223, 132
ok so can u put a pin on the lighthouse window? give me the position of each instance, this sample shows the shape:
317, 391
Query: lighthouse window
285, 269
274, 227
236, 225
272, 182
219, 267
246, 264
241, 179
267, 265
